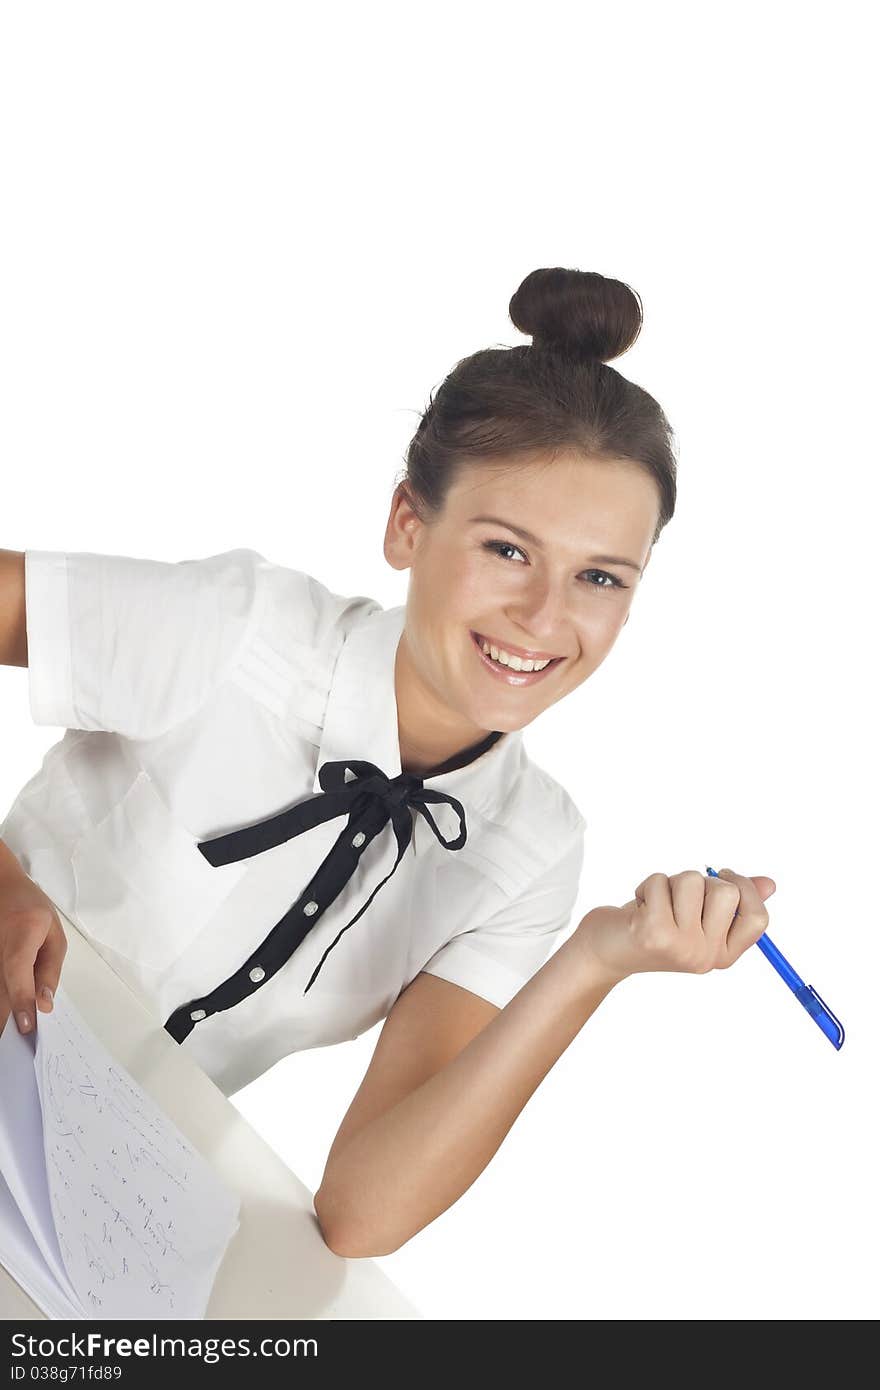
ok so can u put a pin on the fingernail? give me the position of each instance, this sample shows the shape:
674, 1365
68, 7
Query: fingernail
24, 1023
47, 994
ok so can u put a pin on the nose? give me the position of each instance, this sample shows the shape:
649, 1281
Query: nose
540, 614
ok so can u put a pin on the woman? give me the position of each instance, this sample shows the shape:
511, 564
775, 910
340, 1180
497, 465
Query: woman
223, 715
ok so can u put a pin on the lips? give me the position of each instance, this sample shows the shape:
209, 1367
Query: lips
508, 674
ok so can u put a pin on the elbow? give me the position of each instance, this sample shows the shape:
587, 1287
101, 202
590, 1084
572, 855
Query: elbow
346, 1237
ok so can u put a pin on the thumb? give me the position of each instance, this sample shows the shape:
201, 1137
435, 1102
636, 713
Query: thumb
765, 886
47, 966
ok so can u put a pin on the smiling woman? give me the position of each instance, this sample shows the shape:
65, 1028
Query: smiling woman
514, 606
230, 824
536, 485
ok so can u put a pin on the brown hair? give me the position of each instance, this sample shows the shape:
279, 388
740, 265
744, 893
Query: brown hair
555, 394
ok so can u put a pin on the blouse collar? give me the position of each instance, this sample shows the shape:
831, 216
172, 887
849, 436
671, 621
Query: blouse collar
360, 719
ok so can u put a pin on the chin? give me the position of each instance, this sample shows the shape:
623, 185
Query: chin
506, 723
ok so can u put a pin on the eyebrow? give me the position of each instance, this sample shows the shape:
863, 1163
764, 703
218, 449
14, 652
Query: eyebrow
533, 540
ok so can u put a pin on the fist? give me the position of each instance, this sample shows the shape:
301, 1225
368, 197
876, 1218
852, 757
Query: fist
689, 923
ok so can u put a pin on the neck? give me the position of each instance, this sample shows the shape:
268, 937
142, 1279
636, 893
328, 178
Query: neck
431, 736
459, 759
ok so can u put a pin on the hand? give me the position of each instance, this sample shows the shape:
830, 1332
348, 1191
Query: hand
32, 949
689, 923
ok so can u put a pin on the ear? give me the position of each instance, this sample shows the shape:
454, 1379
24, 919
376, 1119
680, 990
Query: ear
401, 530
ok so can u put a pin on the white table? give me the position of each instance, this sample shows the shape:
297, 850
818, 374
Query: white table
277, 1265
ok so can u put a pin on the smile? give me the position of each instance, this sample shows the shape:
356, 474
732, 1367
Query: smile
509, 674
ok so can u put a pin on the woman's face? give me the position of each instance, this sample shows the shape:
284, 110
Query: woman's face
554, 592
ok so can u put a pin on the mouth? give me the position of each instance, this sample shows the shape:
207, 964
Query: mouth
508, 674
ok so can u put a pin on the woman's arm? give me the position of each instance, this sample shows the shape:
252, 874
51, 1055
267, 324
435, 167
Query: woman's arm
13, 623
398, 1170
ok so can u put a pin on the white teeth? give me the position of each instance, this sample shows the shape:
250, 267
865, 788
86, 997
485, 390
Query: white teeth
515, 663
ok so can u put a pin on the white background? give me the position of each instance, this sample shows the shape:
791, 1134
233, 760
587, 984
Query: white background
240, 244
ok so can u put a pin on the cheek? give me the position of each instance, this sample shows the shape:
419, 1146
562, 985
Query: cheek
466, 589
597, 628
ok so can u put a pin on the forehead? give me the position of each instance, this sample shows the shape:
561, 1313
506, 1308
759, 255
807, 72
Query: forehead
567, 501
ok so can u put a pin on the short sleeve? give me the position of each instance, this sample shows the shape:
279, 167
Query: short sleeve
133, 646
496, 958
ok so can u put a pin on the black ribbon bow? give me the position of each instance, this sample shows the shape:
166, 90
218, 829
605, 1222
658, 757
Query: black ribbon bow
371, 800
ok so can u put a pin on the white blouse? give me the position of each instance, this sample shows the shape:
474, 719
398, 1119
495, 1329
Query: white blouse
202, 696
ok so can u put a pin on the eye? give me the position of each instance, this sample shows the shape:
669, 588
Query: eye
498, 546
613, 582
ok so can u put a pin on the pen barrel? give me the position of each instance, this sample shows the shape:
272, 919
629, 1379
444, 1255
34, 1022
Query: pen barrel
780, 964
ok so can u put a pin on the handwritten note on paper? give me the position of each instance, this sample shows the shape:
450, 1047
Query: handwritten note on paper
142, 1219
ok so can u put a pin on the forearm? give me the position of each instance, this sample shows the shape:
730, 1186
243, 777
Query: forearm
404, 1169
13, 613
10, 867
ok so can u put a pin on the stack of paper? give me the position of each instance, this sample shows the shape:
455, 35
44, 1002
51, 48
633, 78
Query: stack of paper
106, 1209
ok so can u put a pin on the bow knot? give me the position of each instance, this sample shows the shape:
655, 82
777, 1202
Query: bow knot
395, 793
369, 779
370, 800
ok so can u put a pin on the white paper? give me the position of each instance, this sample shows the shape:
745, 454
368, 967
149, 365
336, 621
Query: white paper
21, 1255
129, 1219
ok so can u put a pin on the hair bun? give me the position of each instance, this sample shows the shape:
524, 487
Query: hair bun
577, 311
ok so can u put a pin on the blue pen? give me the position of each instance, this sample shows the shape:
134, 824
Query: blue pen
815, 1007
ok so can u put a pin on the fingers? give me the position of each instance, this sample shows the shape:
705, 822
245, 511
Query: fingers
47, 969
694, 923
671, 930
722, 907
752, 918
653, 892
32, 957
703, 911
18, 969
688, 892
706, 910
